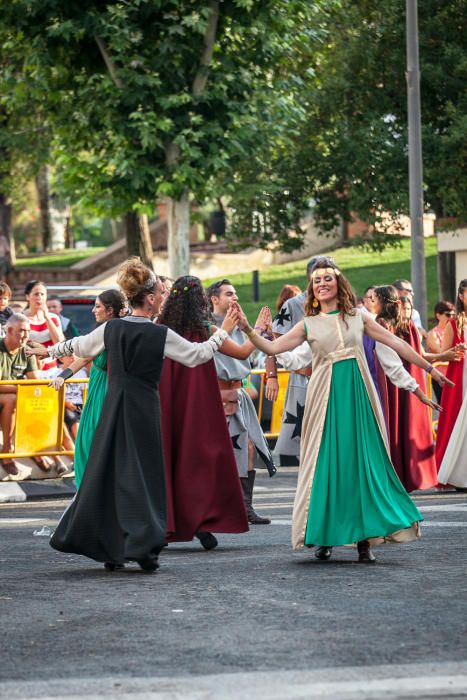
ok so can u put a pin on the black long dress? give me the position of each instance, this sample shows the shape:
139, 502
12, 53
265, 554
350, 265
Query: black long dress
119, 513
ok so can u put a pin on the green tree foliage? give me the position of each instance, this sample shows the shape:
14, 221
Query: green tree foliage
156, 98
348, 157
280, 105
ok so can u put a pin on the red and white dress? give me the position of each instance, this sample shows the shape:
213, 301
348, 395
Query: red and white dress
40, 334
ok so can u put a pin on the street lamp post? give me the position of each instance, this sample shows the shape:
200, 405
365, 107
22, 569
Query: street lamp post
415, 160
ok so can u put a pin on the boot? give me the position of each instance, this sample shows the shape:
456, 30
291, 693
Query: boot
247, 485
365, 555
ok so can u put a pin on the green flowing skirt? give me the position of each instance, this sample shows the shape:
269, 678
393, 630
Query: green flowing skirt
356, 493
97, 389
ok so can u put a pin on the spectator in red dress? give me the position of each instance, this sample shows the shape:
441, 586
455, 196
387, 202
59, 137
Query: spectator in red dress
46, 328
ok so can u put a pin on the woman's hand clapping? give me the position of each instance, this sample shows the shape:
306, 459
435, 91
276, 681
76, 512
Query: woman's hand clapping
231, 319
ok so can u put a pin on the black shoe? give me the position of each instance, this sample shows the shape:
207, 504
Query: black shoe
148, 564
113, 566
207, 539
365, 555
323, 553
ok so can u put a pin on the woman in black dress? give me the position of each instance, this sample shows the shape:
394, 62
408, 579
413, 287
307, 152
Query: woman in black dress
119, 513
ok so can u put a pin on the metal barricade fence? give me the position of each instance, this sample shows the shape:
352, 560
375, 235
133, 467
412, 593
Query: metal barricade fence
40, 411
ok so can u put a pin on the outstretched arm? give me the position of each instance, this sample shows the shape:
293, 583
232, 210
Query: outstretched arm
87, 346
232, 349
288, 341
58, 381
381, 335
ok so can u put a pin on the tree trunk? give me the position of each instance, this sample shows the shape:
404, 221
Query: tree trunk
42, 187
138, 240
178, 245
59, 214
5, 226
118, 229
447, 276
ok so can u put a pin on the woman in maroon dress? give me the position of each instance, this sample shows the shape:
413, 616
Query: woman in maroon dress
408, 420
204, 493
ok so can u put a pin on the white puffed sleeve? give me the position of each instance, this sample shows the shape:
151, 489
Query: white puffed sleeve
393, 368
299, 358
192, 354
82, 345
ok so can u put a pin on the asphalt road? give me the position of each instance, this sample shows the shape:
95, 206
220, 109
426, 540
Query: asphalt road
251, 619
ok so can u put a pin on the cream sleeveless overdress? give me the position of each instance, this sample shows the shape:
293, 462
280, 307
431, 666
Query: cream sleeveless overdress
347, 487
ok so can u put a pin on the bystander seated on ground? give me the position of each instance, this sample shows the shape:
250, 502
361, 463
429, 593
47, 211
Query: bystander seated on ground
13, 365
55, 306
5, 310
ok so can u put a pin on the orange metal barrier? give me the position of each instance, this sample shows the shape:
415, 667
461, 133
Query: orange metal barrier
39, 418
277, 406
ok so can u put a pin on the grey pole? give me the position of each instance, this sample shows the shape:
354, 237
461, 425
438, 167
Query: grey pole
418, 273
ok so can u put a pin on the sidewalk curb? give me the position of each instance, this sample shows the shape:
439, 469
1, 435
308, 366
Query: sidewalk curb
21, 491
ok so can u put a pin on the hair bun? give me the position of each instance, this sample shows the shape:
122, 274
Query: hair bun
134, 278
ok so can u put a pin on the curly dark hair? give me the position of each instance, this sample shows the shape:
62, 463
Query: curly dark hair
390, 316
346, 299
187, 306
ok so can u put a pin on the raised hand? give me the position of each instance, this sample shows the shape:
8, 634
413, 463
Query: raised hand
231, 319
264, 321
242, 320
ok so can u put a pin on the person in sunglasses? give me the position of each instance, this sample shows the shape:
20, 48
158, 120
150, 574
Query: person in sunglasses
444, 311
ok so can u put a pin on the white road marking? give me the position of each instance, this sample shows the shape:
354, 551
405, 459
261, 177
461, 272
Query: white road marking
437, 680
443, 523
452, 507
19, 521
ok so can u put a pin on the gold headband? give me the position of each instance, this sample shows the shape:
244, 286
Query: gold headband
320, 271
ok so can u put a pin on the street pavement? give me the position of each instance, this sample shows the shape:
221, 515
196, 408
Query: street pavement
251, 619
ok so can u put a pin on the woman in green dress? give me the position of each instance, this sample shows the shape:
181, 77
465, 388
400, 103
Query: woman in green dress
347, 491
108, 305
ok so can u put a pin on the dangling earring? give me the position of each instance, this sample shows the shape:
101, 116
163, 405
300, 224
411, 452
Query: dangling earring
315, 303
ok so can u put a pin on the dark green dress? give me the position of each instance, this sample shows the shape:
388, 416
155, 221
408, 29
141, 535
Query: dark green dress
97, 390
